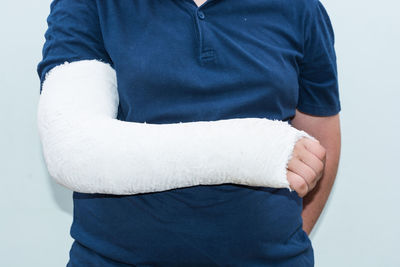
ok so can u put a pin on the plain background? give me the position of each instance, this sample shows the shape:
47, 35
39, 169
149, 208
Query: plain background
360, 225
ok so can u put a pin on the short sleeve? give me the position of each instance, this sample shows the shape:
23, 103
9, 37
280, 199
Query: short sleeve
318, 81
73, 34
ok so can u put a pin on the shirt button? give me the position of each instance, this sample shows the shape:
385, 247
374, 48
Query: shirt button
201, 15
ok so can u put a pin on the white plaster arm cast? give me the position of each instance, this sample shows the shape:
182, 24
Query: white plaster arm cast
87, 149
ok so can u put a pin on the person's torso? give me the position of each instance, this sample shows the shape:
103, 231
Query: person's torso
176, 62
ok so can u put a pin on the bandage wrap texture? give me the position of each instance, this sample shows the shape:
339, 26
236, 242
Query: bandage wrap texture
88, 150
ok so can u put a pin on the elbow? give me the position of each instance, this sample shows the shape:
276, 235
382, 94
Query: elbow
65, 151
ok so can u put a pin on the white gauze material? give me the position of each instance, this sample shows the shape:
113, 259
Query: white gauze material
87, 149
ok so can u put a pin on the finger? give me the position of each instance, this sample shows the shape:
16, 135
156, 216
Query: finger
305, 171
316, 148
312, 161
297, 183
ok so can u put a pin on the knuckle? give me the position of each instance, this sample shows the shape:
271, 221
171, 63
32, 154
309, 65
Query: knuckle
303, 193
303, 141
303, 186
314, 183
320, 152
298, 142
311, 174
323, 151
321, 166
298, 145
315, 142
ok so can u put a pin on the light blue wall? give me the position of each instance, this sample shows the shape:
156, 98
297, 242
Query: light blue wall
360, 225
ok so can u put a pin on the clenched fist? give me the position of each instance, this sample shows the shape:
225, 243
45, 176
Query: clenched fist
306, 166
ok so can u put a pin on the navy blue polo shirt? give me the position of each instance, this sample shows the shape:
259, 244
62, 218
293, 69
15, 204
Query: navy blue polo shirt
177, 62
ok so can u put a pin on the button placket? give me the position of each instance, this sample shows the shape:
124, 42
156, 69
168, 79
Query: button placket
206, 53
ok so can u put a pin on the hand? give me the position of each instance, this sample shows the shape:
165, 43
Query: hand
306, 166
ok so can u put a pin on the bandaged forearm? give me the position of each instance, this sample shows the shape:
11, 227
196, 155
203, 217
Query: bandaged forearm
87, 149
